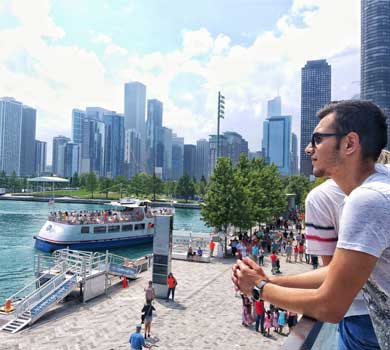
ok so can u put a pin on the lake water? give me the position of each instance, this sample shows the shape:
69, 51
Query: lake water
20, 221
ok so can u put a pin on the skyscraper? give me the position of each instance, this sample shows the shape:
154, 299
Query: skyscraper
93, 147
27, 147
236, 145
274, 107
78, 117
294, 155
132, 152
164, 152
177, 157
114, 145
71, 158
202, 159
135, 100
154, 121
223, 151
277, 141
189, 162
10, 135
97, 113
315, 93
375, 54
40, 157
58, 154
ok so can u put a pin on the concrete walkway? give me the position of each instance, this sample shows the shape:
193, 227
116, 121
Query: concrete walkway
206, 314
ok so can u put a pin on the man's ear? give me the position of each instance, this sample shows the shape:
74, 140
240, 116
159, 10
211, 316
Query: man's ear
351, 143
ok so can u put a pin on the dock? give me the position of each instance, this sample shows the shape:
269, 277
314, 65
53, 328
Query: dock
206, 315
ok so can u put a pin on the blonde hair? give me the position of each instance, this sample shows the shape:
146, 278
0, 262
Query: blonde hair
384, 157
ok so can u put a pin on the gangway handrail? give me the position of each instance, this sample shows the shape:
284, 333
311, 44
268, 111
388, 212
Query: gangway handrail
31, 299
35, 282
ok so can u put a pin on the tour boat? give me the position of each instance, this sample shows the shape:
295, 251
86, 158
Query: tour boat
126, 223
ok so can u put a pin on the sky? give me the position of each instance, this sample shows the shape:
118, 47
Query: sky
56, 55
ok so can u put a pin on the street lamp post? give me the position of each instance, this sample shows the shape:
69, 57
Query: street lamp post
221, 114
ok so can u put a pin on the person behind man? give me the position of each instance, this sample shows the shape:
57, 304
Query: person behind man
323, 208
137, 340
345, 145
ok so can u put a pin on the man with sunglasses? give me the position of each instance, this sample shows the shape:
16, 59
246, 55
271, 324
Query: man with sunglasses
345, 145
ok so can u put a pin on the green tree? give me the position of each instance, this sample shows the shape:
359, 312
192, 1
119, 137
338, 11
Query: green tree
243, 214
91, 183
155, 185
139, 184
185, 187
3, 179
83, 180
121, 184
105, 185
299, 185
170, 188
75, 180
13, 181
267, 196
202, 186
218, 208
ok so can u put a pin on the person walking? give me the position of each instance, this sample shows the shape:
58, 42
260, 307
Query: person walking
281, 320
147, 317
172, 283
247, 318
289, 251
296, 251
137, 341
260, 256
292, 320
149, 292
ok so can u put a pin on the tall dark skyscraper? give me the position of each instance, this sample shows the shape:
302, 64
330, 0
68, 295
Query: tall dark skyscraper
189, 160
375, 53
154, 121
27, 145
114, 145
315, 93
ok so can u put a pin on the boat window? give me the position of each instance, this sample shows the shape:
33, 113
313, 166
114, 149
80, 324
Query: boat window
139, 226
127, 228
99, 229
114, 228
84, 229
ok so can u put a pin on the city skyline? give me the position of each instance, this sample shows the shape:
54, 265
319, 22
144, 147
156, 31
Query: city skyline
250, 61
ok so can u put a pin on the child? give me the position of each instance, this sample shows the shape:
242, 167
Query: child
275, 318
268, 321
281, 320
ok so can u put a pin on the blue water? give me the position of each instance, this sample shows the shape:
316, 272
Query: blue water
20, 221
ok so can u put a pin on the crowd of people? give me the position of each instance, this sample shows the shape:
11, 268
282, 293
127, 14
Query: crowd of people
278, 240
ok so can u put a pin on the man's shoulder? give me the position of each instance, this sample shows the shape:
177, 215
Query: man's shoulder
375, 188
328, 190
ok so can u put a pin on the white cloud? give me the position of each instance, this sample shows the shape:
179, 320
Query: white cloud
63, 77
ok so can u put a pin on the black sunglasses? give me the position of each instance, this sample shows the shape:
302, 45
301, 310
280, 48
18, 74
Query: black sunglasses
316, 138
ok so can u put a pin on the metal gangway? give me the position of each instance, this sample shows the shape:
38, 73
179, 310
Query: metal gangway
58, 275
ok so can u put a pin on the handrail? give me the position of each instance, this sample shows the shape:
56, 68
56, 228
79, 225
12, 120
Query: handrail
34, 283
39, 293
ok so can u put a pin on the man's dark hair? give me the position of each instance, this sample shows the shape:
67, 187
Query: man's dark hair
363, 117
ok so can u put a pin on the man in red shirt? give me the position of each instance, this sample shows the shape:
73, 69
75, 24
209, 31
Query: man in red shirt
259, 309
212, 246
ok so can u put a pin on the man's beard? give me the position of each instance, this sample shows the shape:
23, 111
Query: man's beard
333, 161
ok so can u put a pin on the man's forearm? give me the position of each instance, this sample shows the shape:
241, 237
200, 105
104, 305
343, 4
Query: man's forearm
307, 280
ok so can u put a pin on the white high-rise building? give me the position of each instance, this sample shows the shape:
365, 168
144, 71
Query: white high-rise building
135, 106
10, 135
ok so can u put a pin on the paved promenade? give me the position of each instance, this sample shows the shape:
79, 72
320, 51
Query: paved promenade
206, 314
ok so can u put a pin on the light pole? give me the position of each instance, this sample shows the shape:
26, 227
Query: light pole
221, 114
